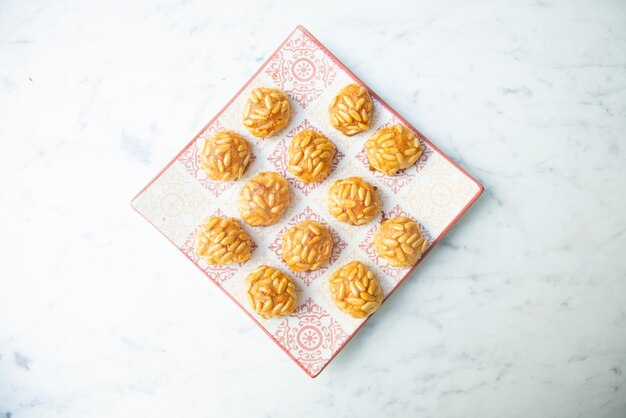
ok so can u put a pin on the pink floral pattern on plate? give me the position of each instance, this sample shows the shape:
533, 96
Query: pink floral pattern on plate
302, 70
311, 336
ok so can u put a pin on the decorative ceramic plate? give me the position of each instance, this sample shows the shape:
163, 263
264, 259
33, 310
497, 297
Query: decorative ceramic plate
435, 191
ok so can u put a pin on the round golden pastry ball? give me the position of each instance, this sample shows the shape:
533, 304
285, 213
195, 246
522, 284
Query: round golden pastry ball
400, 241
351, 110
266, 112
393, 148
353, 201
222, 241
270, 292
355, 290
263, 199
310, 156
306, 246
225, 156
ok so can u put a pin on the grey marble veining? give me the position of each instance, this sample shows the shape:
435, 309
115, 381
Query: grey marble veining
520, 312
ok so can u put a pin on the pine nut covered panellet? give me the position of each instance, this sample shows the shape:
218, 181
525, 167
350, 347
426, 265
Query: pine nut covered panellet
351, 110
270, 292
266, 112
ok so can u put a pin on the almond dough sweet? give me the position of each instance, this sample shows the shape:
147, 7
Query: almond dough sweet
353, 200
307, 246
222, 241
270, 292
225, 156
400, 241
263, 199
392, 149
355, 290
310, 156
266, 112
351, 110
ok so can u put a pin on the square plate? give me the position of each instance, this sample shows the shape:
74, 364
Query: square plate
435, 191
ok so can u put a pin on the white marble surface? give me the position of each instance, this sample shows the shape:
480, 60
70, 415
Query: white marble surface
521, 312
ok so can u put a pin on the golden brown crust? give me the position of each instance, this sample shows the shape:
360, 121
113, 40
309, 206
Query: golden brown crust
310, 156
263, 199
222, 241
351, 110
225, 156
393, 148
353, 201
355, 290
270, 292
307, 246
400, 241
266, 112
